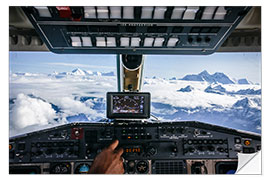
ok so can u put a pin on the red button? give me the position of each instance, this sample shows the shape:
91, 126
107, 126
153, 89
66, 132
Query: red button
64, 11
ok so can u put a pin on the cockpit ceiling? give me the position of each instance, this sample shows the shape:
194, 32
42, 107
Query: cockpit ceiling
148, 30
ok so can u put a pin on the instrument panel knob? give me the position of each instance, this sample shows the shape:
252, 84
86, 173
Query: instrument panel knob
151, 150
174, 149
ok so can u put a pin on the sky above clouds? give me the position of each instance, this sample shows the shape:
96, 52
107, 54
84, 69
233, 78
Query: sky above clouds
235, 65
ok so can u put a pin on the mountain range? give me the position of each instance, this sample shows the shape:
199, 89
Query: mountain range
80, 72
203, 76
217, 77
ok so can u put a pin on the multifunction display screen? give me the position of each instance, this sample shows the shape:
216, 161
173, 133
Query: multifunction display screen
128, 105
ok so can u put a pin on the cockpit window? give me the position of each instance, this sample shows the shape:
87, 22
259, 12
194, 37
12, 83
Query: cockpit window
222, 89
48, 89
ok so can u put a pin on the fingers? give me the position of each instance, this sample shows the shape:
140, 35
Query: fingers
122, 170
120, 167
113, 145
119, 152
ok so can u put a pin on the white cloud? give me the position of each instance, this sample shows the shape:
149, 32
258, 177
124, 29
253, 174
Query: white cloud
71, 107
28, 114
29, 111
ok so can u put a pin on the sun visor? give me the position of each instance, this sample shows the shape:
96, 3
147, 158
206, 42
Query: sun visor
135, 29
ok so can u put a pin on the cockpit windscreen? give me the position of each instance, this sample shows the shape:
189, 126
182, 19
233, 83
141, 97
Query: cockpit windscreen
47, 89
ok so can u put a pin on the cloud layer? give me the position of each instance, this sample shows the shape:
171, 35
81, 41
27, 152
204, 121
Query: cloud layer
41, 101
29, 111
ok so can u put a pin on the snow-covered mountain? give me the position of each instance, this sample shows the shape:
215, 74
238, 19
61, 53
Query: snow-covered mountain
23, 74
205, 76
249, 92
243, 81
186, 89
217, 77
217, 89
108, 74
81, 72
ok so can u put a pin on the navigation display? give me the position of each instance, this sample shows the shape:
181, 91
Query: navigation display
128, 105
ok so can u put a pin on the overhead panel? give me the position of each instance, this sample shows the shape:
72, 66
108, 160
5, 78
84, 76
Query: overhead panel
76, 41
111, 42
90, 12
135, 42
220, 13
103, 12
178, 12
43, 11
135, 29
124, 41
208, 12
148, 42
115, 12
158, 42
190, 13
100, 42
147, 12
86, 41
159, 12
128, 12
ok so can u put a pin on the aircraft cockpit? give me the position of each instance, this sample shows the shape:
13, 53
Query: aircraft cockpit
180, 137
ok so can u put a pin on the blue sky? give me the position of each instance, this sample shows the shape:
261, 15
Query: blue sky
235, 65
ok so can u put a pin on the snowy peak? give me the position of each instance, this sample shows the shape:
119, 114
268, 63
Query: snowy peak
222, 78
249, 92
23, 74
205, 76
215, 89
108, 74
186, 89
81, 72
242, 103
242, 81
78, 72
173, 78
204, 73
247, 103
193, 77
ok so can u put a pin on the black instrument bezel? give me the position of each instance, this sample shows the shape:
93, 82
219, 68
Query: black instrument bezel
146, 109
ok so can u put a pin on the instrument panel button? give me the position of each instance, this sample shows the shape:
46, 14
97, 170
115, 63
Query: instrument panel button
220, 141
189, 141
237, 140
247, 142
211, 148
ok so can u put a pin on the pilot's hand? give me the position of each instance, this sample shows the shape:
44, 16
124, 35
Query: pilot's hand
109, 161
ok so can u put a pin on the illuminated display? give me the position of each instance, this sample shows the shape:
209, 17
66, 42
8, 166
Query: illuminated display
128, 104
133, 150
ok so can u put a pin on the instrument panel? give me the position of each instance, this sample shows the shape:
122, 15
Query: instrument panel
149, 148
